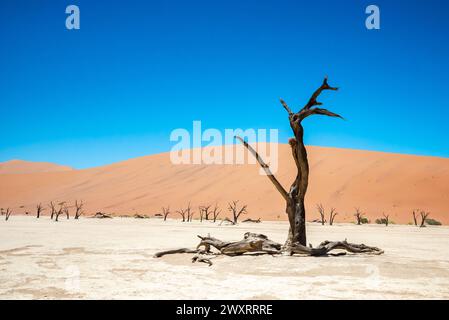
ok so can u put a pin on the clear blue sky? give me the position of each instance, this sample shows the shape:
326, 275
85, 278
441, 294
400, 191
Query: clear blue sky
136, 70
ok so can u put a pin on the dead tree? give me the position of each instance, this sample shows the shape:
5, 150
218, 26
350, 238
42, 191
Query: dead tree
386, 219
39, 209
165, 212
52, 207
294, 198
190, 213
233, 207
2, 211
415, 218
183, 213
78, 209
8, 213
359, 216
322, 213
332, 215
62, 209
186, 214
216, 212
424, 216
205, 212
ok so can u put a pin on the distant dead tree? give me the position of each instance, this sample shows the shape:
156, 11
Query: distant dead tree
322, 213
183, 213
359, 216
205, 212
52, 207
190, 213
415, 218
165, 212
216, 212
386, 219
186, 214
233, 207
62, 209
424, 216
8, 213
78, 209
39, 209
332, 215
2, 211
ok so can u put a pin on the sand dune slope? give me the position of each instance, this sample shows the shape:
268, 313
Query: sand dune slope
21, 166
376, 182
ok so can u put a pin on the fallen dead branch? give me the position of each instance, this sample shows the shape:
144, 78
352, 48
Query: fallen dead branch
227, 220
252, 220
253, 243
101, 215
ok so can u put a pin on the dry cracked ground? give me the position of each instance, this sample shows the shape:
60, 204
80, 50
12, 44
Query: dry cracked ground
113, 259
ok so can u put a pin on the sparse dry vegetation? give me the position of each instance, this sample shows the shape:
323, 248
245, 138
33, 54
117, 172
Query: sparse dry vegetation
165, 212
320, 209
79, 209
359, 215
233, 208
39, 209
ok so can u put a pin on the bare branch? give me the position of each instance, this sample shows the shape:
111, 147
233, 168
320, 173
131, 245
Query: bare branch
312, 101
286, 107
321, 212
332, 215
236, 212
165, 212
266, 168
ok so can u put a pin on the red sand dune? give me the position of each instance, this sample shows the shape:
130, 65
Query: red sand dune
21, 166
374, 181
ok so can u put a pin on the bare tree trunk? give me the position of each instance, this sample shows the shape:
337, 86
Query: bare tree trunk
415, 220
359, 216
216, 212
236, 212
165, 212
294, 198
332, 215
424, 216
321, 212
204, 212
8, 214
53, 210
62, 209
387, 219
39, 209
78, 209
